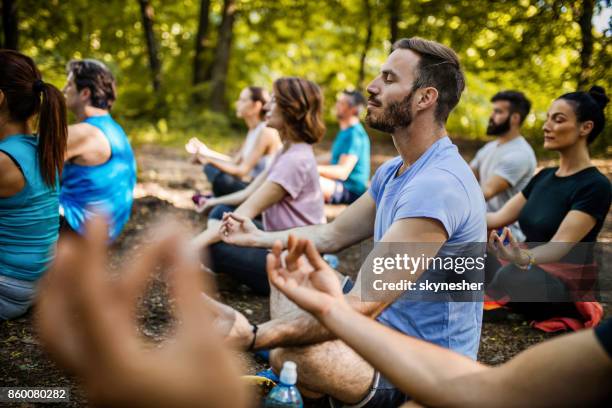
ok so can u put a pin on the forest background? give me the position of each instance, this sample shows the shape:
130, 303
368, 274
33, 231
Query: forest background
180, 64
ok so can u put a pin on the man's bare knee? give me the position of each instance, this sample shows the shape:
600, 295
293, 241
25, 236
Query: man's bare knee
329, 368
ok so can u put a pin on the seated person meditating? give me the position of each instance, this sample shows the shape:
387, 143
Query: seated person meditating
417, 88
230, 174
564, 204
118, 367
100, 170
30, 165
505, 165
287, 194
346, 170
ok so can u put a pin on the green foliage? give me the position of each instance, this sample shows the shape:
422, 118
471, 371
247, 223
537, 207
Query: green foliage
530, 45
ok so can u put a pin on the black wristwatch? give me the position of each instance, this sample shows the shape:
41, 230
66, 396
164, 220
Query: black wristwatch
255, 328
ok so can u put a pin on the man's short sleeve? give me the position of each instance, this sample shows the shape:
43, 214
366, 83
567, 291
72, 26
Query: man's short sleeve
353, 143
381, 174
513, 167
375, 184
475, 163
447, 202
290, 173
347, 142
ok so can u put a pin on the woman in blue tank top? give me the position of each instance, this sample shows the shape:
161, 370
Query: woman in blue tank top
30, 166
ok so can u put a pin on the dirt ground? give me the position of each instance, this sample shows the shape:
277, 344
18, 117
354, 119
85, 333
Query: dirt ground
166, 182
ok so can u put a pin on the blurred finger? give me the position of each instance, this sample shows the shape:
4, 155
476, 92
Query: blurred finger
136, 275
187, 283
102, 326
54, 315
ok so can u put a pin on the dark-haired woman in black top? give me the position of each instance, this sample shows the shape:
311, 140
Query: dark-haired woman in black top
560, 207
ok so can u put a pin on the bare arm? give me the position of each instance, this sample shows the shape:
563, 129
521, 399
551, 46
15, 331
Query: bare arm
219, 157
203, 153
241, 168
434, 376
300, 327
332, 237
77, 140
572, 230
268, 194
237, 198
264, 196
340, 171
87, 145
508, 214
324, 158
494, 186
12, 180
422, 369
543, 375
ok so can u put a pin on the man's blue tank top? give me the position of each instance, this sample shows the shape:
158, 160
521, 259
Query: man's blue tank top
29, 220
103, 189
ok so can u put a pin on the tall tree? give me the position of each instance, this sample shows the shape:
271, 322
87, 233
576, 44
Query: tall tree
146, 10
367, 42
585, 18
10, 24
394, 17
222, 56
199, 66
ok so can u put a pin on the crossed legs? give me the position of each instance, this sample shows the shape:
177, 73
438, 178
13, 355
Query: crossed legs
328, 368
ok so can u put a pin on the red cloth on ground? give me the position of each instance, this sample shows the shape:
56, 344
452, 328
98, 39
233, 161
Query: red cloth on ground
592, 313
581, 280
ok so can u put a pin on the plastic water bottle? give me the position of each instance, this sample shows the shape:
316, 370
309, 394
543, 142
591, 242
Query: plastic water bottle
285, 394
332, 260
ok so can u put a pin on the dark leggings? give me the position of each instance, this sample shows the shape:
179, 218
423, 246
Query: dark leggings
534, 293
223, 183
245, 264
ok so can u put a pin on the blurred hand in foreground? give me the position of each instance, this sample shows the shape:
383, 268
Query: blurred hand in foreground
87, 322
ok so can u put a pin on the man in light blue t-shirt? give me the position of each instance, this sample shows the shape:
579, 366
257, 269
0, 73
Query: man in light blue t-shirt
344, 172
426, 195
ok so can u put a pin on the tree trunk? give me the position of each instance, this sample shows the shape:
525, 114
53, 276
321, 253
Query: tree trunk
199, 68
10, 24
147, 22
366, 44
222, 56
586, 52
394, 17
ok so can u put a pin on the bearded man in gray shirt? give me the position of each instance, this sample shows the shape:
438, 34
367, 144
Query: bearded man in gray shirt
504, 166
